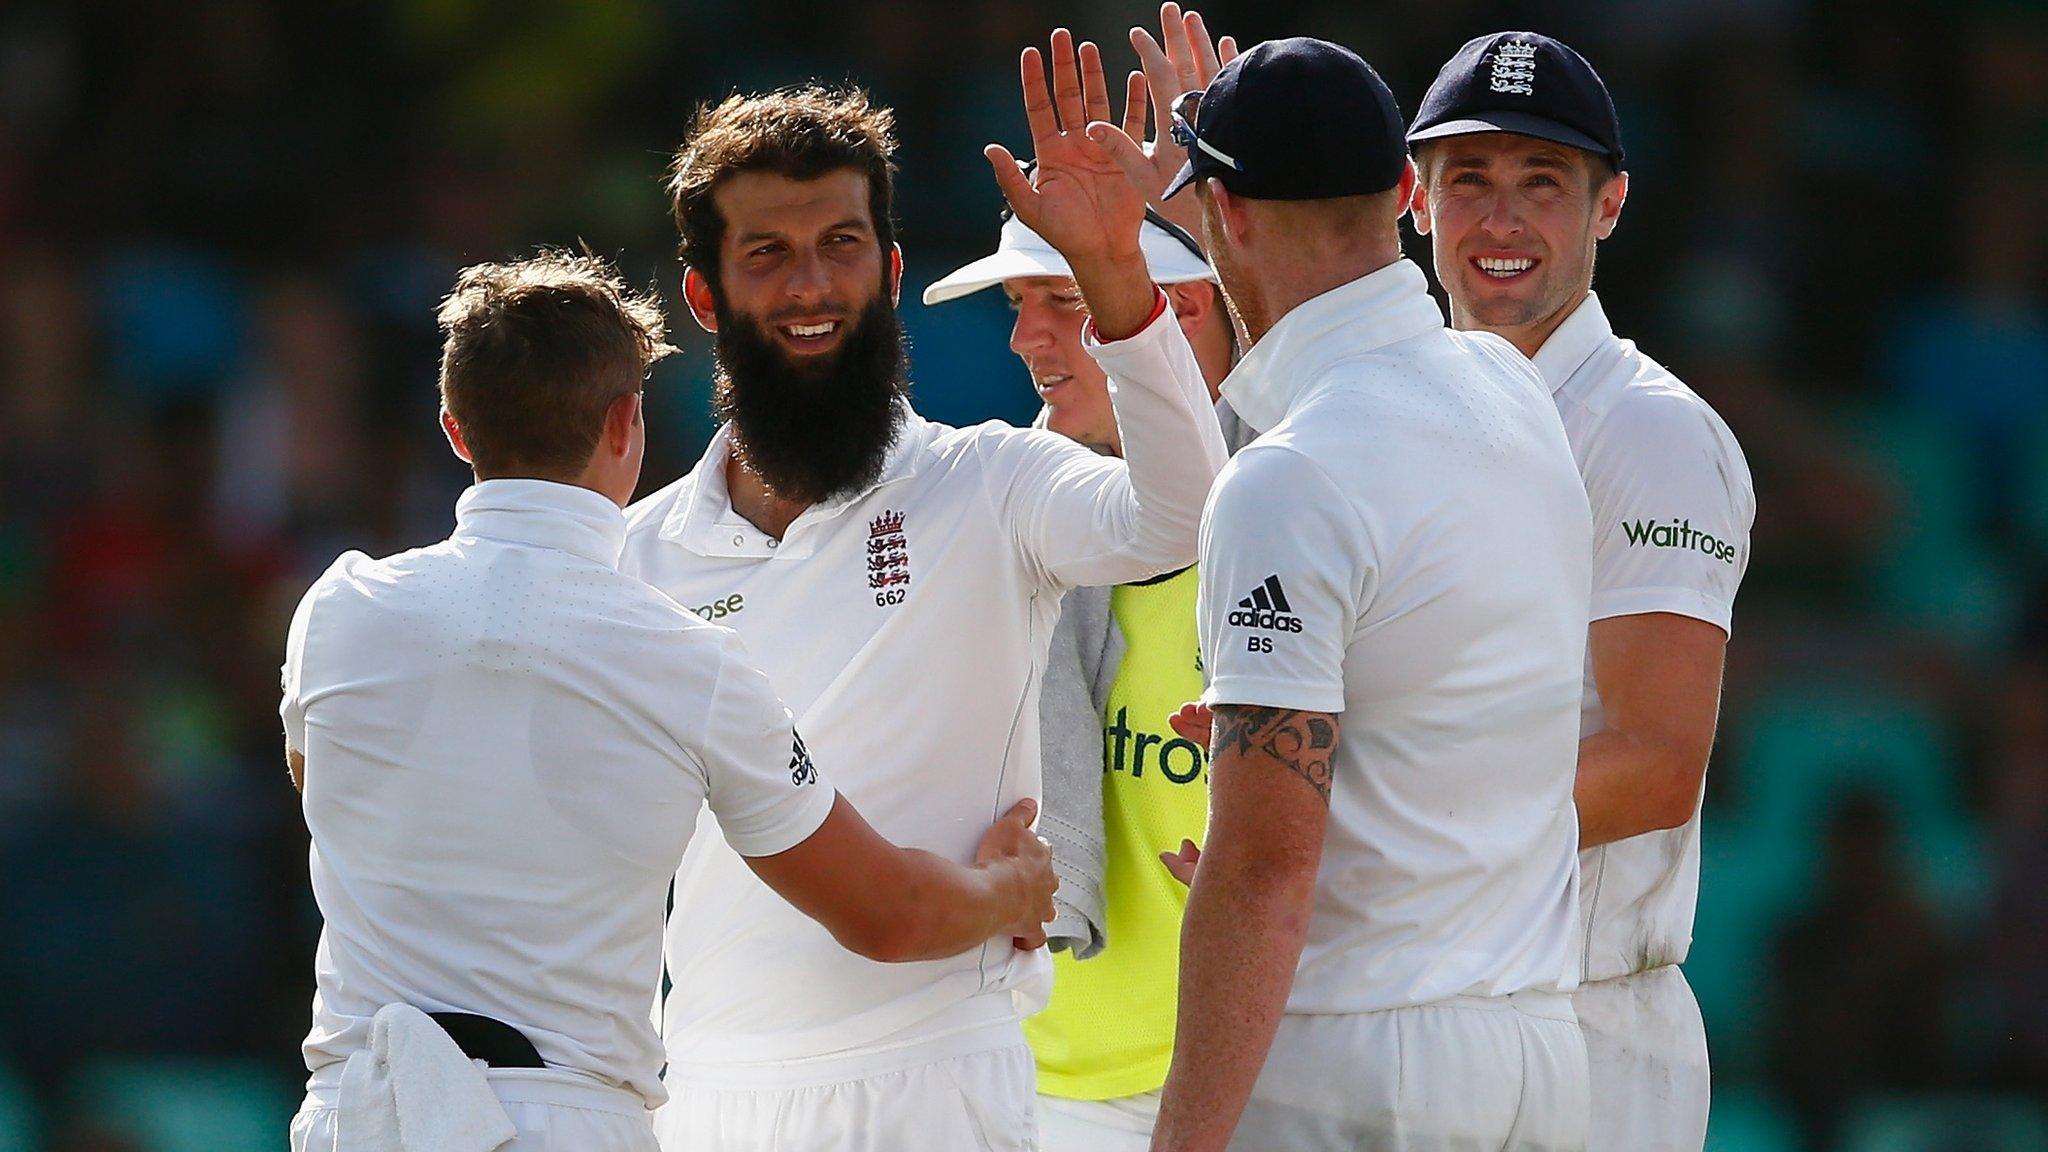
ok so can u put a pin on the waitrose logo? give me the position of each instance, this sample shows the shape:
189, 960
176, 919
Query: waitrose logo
1677, 534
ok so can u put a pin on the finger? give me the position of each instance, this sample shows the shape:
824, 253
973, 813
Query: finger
1094, 83
1203, 50
1037, 100
1226, 49
1023, 812
1173, 36
1160, 80
1031, 943
1066, 82
1128, 156
1015, 186
1136, 104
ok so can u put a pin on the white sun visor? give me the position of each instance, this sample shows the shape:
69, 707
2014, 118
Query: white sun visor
1020, 253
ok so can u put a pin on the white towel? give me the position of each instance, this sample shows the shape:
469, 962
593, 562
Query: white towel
412, 1090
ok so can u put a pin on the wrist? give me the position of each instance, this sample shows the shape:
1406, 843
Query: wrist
1130, 311
1001, 893
1120, 263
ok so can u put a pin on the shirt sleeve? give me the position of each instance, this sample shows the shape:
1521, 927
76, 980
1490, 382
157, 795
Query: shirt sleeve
1084, 519
760, 780
1672, 509
1288, 571
292, 707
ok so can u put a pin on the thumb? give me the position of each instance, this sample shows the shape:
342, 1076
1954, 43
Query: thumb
1022, 813
1122, 149
1015, 186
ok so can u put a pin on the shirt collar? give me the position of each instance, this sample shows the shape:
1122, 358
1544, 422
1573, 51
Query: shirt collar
545, 514
709, 503
1572, 342
1373, 311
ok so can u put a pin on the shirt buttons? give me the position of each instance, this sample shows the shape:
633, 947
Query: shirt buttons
772, 542
739, 539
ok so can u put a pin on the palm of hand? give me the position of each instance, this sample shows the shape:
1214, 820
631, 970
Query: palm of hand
1084, 199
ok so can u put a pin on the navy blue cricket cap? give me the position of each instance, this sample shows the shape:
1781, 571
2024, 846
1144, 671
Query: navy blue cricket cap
1524, 83
1296, 119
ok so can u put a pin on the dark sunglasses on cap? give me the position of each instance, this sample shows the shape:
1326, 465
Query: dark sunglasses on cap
1185, 112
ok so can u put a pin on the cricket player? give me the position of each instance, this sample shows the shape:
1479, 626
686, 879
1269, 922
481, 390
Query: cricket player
1521, 177
899, 579
503, 744
1120, 786
1380, 937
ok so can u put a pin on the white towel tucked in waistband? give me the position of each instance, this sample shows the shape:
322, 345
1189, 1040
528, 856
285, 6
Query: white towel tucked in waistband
412, 1090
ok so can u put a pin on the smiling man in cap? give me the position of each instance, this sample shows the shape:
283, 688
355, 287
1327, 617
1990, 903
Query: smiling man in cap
1521, 160
1379, 938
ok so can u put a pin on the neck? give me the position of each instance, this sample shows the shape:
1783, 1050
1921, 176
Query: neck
1303, 273
752, 499
1528, 338
588, 479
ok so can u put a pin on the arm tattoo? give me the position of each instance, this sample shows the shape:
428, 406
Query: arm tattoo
1301, 742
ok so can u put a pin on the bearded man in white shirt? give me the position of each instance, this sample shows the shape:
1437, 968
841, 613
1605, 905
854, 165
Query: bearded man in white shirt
1521, 159
900, 580
503, 744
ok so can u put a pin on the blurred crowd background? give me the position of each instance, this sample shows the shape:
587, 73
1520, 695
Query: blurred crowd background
224, 225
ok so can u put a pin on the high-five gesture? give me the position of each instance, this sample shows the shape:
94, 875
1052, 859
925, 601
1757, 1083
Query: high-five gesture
1182, 60
1081, 199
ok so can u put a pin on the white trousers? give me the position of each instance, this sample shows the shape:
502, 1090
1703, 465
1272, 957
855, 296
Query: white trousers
978, 1102
1646, 1051
1121, 1125
1499, 1074
555, 1111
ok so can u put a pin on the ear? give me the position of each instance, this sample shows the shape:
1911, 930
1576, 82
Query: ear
895, 275
697, 294
619, 421
1230, 212
1416, 197
453, 431
1607, 213
1193, 303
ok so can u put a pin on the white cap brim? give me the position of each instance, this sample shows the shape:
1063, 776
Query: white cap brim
1021, 253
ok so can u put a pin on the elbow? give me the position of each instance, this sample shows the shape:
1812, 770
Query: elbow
896, 937
875, 938
1675, 799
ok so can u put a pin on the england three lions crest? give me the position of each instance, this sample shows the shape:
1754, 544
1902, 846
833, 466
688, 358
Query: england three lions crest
888, 559
1514, 68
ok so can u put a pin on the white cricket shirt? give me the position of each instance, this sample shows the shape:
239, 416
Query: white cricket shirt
1408, 545
907, 626
1672, 508
507, 745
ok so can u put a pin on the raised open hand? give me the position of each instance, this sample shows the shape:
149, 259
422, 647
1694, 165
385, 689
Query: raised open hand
1080, 199
1184, 59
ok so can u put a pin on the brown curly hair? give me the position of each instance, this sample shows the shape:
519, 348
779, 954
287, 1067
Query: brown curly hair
801, 133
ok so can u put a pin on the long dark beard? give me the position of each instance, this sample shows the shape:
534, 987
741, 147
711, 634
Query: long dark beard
813, 431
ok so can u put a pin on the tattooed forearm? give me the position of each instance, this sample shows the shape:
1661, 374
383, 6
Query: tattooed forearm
1301, 742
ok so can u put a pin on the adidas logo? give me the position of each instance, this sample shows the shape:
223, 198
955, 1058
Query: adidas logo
1266, 608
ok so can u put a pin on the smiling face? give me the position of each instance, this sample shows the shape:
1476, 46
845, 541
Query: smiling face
1513, 222
1047, 337
798, 258
810, 359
